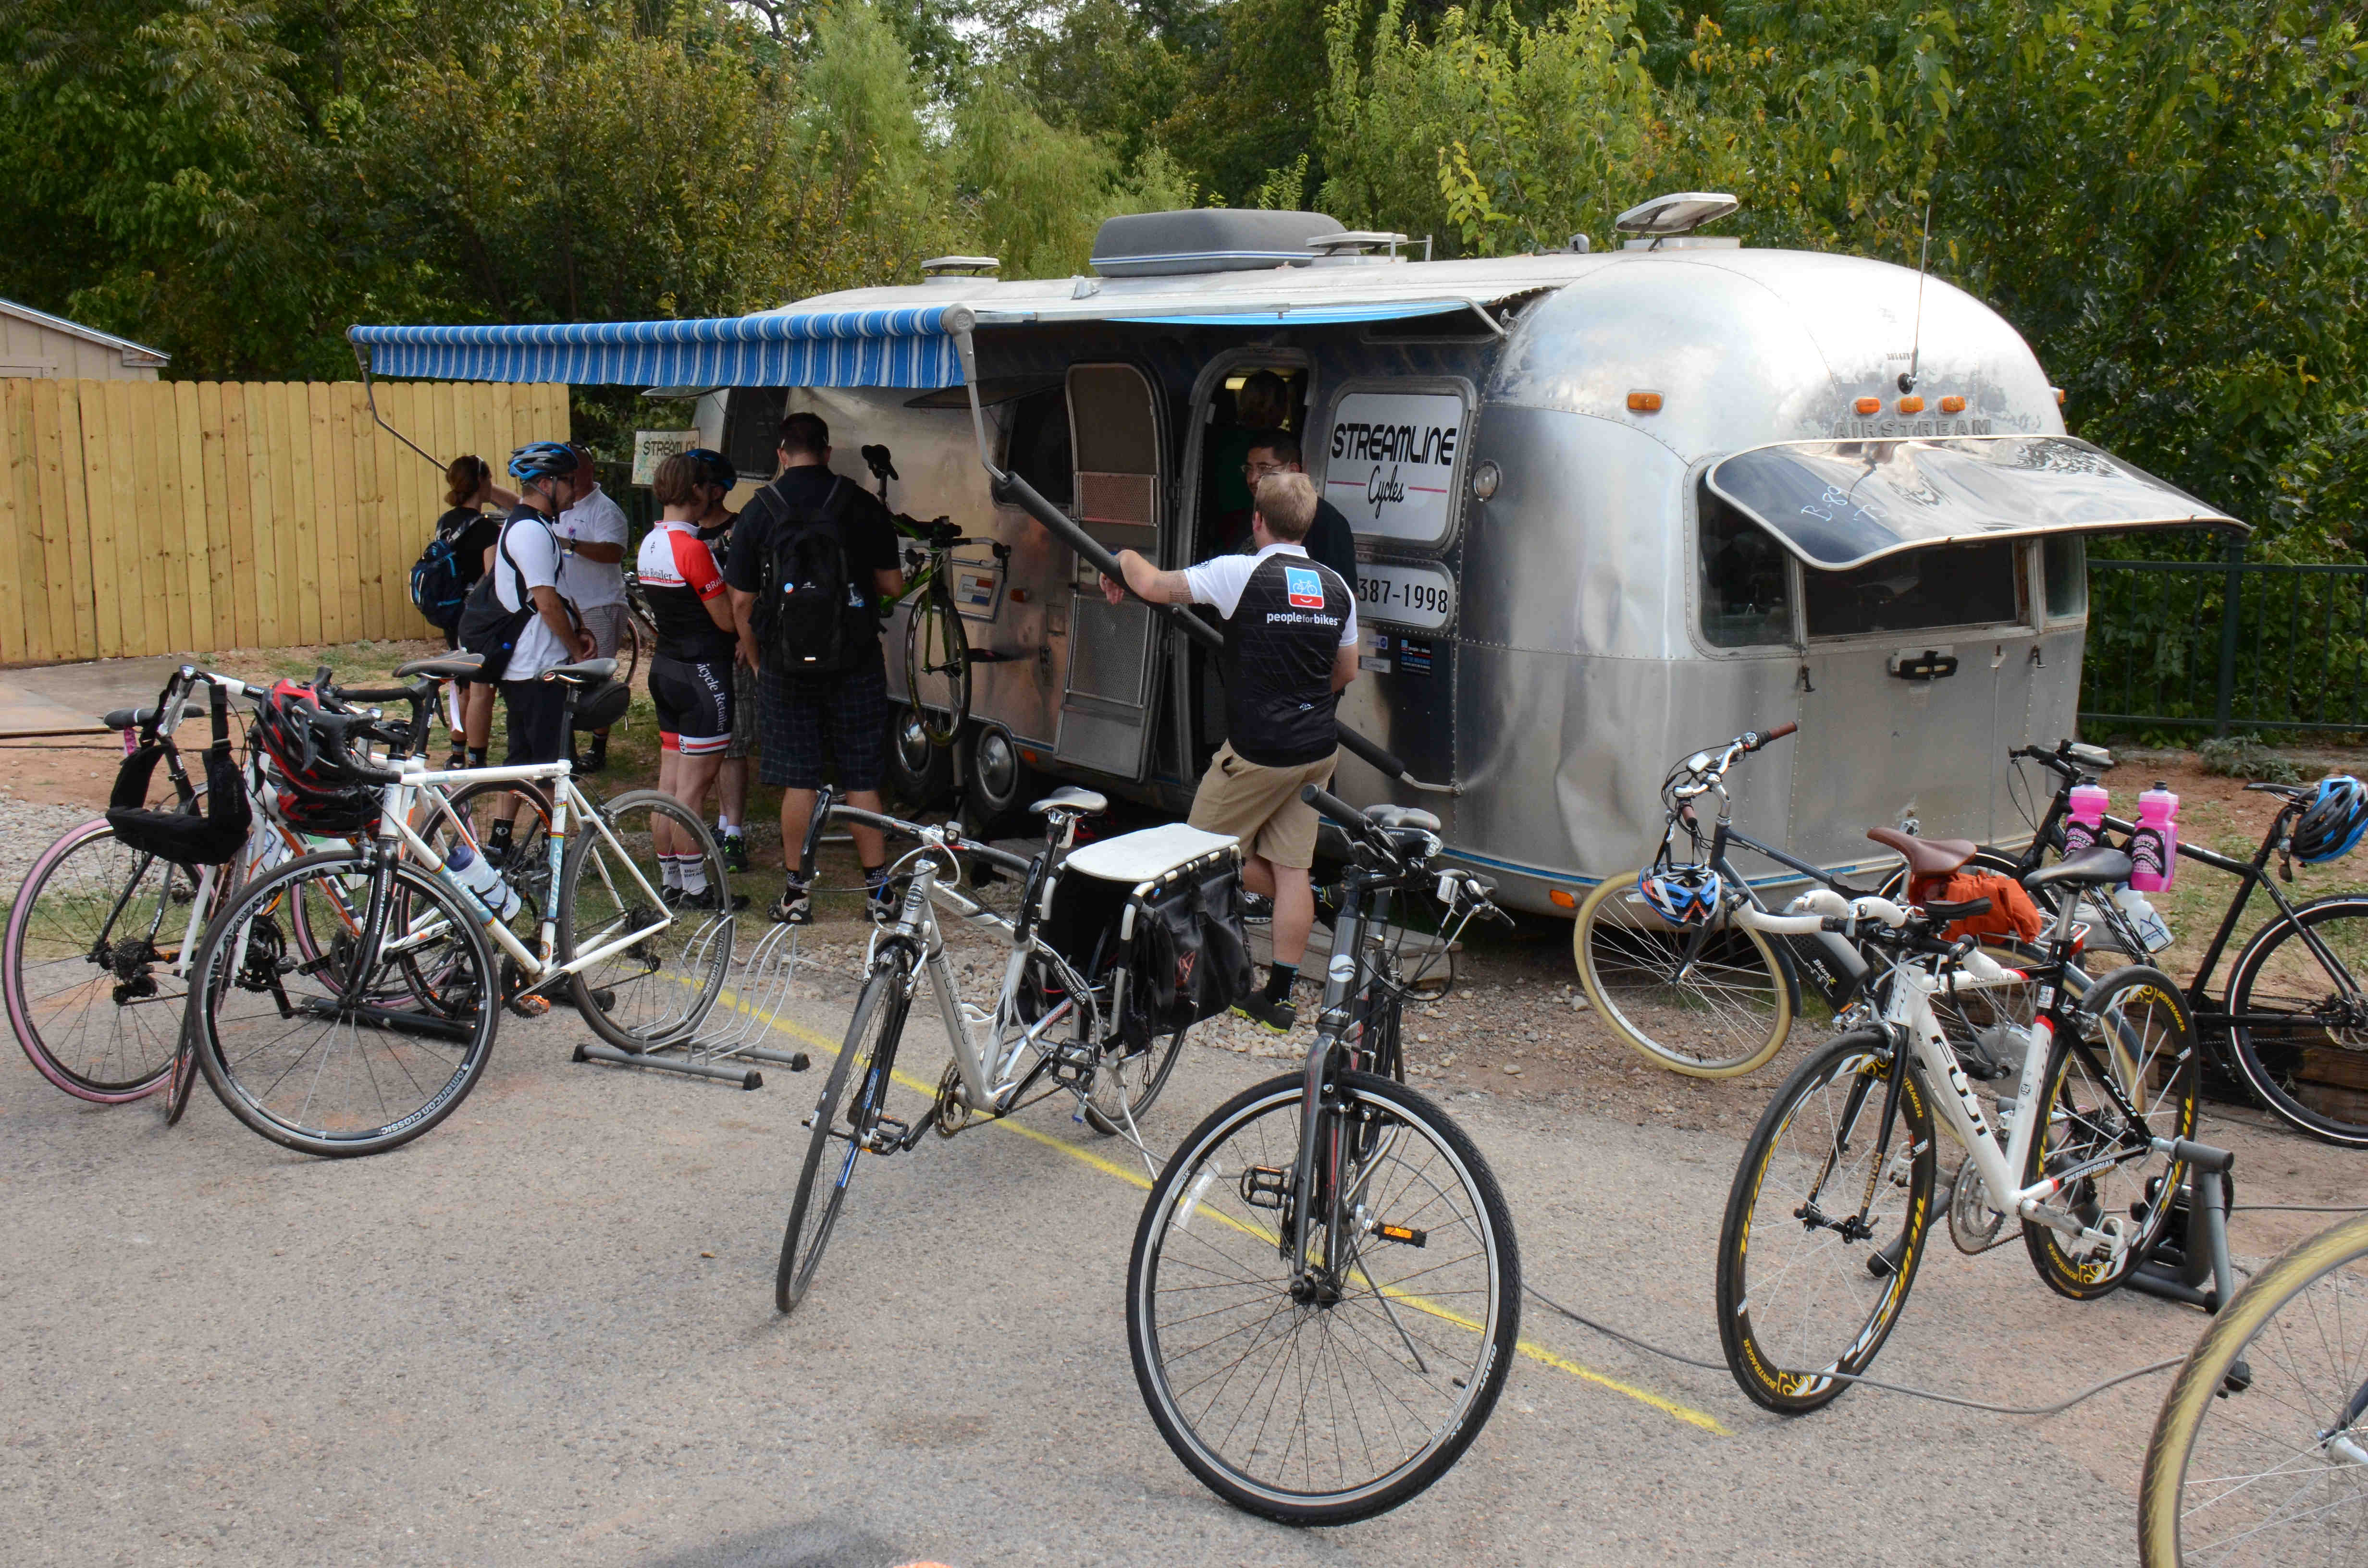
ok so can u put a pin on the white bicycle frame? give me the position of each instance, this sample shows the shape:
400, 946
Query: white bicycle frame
1908, 1012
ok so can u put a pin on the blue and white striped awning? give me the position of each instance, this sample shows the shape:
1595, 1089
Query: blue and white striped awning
905, 348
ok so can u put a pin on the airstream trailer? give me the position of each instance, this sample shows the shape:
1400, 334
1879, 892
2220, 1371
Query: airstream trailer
1609, 506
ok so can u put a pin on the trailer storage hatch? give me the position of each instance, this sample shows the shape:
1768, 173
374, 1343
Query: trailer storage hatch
1837, 504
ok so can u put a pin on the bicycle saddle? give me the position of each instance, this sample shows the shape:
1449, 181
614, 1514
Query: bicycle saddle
131, 718
2091, 867
444, 667
1402, 816
588, 672
1069, 797
1926, 857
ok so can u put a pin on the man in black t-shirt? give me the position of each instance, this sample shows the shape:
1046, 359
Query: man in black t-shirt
808, 719
1329, 540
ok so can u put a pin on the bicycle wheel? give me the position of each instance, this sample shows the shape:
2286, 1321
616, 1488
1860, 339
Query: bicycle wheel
841, 1120
1724, 1013
2142, 1038
2303, 1043
91, 949
937, 664
1807, 1289
2260, 1453
1344, 1395
323, 1056
658, 989
1126, 1081
640, 636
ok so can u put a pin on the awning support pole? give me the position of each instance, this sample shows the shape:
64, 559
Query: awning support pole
960, 323
361, 356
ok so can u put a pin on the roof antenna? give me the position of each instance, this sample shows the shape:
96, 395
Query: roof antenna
1916, 339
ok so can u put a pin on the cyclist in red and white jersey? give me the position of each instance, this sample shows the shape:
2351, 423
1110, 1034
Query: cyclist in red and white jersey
690, 673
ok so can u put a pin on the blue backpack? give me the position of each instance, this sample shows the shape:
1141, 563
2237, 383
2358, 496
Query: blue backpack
439, 579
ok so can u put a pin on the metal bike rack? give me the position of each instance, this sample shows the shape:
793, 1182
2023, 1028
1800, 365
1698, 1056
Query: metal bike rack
756, 995
2194, 1248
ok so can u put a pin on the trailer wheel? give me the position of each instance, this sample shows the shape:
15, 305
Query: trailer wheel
999, 781
920, 774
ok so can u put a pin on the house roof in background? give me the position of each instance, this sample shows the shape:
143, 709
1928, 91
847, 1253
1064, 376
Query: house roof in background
133, 353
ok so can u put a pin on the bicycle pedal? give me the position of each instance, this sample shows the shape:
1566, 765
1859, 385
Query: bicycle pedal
1265, 1187
887, 1136
530, 1006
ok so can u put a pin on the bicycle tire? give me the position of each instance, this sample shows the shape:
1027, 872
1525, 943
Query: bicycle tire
2271, 1061
870, 1042
1445, 1407
1742, 985
220, 975
639, 635
936, 645
2300, 1408
673, 975
1153, 1063
64, 1008
2143, 1029
1770, 1357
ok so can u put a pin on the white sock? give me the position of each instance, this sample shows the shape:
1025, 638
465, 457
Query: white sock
669, 871
694, 872
730, 829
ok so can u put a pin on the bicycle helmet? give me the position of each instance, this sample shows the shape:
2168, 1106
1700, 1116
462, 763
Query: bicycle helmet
542, 459
2333, 821
1682, 895
320, 791
714, 466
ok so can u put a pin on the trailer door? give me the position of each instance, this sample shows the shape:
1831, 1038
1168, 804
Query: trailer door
1108, 691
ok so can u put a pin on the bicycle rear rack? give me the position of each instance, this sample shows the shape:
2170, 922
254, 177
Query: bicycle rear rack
757, 992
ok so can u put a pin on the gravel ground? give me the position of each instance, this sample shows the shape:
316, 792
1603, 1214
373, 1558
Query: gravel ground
26, 829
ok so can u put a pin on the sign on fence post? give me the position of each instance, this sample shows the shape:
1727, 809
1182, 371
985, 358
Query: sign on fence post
652, 448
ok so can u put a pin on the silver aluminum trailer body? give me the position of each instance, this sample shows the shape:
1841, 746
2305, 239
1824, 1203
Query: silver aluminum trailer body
1566, 606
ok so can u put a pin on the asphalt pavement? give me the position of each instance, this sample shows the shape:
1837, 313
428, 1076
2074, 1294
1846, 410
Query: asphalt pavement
544, 1333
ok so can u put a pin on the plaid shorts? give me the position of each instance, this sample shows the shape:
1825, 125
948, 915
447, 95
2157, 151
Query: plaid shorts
804, 721
743, 714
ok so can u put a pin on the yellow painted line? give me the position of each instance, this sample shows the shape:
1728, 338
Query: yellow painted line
1527, 1348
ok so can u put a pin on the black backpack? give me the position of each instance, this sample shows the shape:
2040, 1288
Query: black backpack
808, 605
488, 629
439, 578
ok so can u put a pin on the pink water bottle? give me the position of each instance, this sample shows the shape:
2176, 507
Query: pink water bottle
2154, 847
2088, 818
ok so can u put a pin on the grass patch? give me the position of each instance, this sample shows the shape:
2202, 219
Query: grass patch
2249, 756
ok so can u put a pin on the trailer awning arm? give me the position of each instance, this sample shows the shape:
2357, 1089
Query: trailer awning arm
1839, 505
1012, 490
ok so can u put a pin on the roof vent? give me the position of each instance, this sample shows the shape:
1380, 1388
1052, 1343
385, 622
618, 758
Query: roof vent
958, 268
1681, 212
1356, 246
1208, 239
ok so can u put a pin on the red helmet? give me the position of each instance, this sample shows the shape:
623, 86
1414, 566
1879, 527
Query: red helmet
321, 792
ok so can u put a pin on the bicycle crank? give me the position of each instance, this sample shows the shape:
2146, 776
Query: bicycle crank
1975, 1223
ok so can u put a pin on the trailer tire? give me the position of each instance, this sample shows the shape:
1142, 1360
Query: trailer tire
919, 774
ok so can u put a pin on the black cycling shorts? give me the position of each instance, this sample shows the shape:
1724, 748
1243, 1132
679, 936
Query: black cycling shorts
693, 698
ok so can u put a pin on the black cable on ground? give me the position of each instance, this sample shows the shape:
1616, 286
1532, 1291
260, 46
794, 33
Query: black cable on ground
2089, 1392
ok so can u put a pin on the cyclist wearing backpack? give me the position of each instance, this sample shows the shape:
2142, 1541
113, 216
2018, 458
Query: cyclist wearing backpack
809, 552
446, 570
718, 479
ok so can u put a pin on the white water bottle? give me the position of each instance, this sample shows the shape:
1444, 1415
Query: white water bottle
2143, 918
479, 877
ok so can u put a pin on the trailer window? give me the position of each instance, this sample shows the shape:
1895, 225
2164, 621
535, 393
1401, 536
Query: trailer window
1747, 590
1952, 584
1038, 451
752, 429
2067, 576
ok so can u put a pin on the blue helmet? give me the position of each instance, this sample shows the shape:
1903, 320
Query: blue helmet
717, 467
1682, 895
2333, 821
541, 460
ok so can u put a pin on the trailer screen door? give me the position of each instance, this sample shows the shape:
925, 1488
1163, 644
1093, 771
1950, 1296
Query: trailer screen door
1106, 698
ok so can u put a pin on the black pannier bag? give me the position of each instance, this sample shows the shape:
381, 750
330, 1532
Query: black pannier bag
1176, 935
185, 837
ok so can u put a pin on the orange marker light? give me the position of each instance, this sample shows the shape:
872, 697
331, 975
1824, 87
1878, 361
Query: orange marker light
1644, 403
1869, 405
2059, 395
1911, 405
1952, 405
1562, 899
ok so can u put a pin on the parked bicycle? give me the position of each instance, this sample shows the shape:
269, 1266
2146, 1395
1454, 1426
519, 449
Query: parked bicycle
381, 1035
1324, 1292
1830, 1209
1068, 1019
2260, 1454
938, 655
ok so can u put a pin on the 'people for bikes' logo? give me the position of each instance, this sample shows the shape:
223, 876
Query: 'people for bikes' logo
1304, 588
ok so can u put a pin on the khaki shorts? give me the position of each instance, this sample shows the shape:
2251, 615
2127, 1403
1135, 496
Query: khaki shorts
607, 625
1261, 807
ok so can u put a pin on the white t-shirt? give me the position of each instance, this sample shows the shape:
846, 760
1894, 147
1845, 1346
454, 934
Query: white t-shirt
596, 520
538, 558
1219, 581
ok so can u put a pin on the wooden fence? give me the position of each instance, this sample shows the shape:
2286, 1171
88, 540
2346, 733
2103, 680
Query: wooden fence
170, 517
